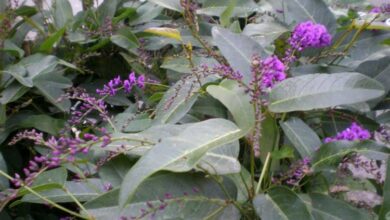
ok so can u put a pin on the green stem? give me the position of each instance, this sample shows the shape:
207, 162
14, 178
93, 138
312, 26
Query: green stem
265, 168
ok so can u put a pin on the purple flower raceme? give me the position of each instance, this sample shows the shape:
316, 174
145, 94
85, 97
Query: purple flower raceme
308, 34
114, 85
298, 171
305, 35
352, 133
383, 8
62, 150
273, 71
227, 72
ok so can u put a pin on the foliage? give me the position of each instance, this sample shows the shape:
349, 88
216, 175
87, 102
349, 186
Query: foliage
187, 109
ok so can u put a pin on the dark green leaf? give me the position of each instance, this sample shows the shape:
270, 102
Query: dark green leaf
189, 146
331, 154
304, 139
48, 44
316, 91
280, 203
62, 13
325, 207
238, 49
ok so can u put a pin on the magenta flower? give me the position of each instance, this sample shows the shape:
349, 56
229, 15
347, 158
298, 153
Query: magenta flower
353, 133
308, 34
273, 71
113, 86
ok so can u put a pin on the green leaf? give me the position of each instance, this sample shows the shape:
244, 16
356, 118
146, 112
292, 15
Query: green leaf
178, 100
182, 65
190, 145
57, 175
169, 4
367, 47
165, 32
238, 49
385, 208
81, 190
264, 33
123, 42
51, 86
128, 13
62, 13
304, 139
269, 137
43, 123
326, 207
296, 11
4, 183
13, 92
106, 10
48, 44
237, 101
243, 8
30, 67
314, 91
280, 203
115, 170
12, 48
331, 154
227, 13
190, 196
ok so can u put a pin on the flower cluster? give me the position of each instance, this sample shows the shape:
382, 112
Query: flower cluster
114, 85
62, 150
267, 72
352, 133
273, 71
86, 104
308, 34
384, 8
298, 171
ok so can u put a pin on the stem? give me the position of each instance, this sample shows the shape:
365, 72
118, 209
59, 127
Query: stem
266, 163
77, 202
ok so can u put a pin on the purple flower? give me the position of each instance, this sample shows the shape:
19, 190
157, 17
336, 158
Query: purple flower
376, 10
113, 86
298, 170
273, 71
308, 34
352, 133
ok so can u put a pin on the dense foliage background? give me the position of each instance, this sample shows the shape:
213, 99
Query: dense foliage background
194, 109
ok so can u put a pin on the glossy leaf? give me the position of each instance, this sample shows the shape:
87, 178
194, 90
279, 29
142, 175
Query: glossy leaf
280, 203
178, 100
190, 145
316, 91
326, 207
4, 183
331, 154
238, 49
62, 13
48, 44
236, 101
81, 190
188, 196
296, 11
165, 32
169, 4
